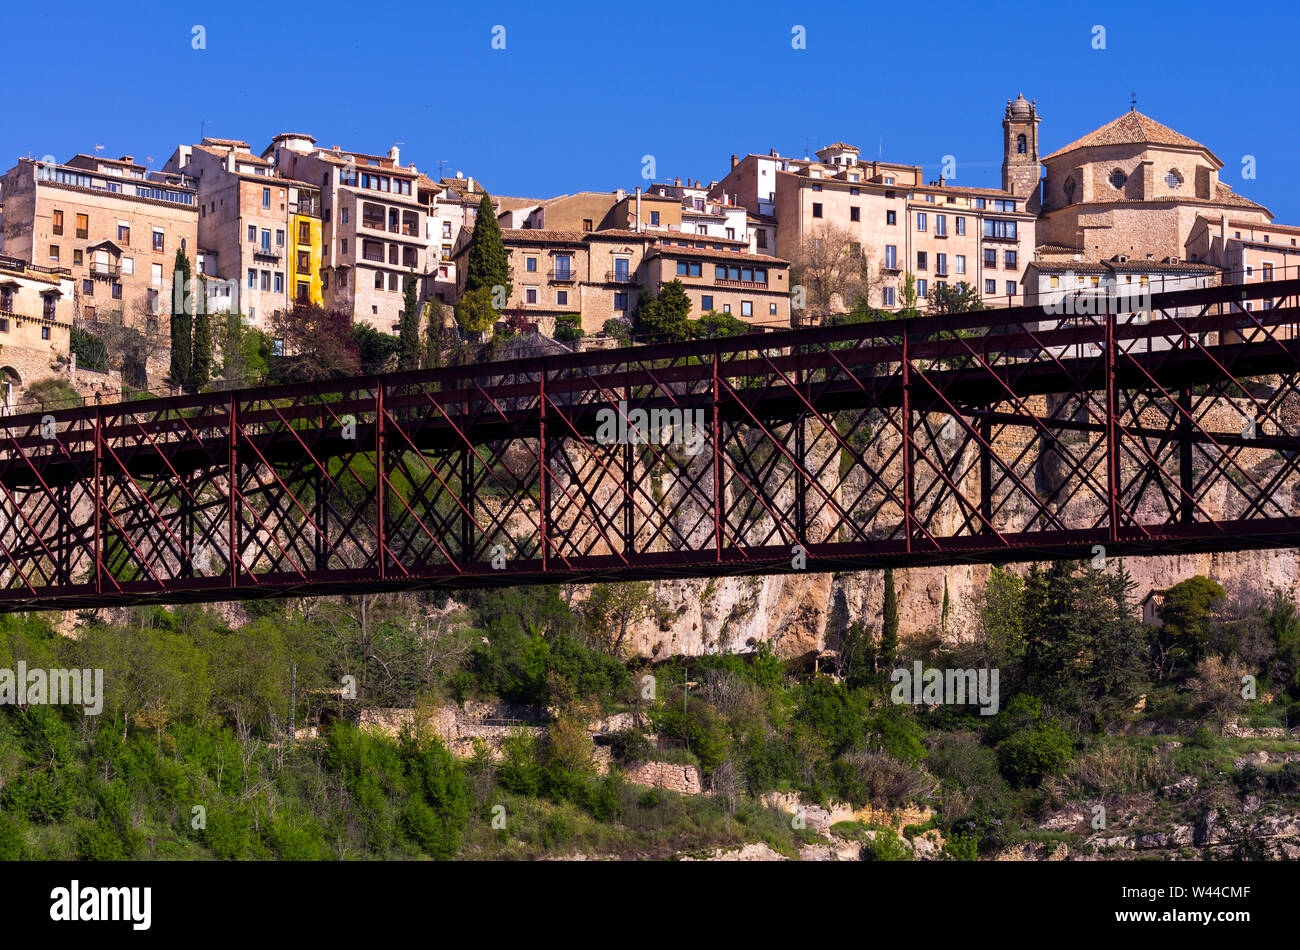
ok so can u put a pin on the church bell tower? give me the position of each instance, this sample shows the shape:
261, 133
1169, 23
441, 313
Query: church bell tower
1021, 169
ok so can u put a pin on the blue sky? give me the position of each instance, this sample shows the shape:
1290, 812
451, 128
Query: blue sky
583, 90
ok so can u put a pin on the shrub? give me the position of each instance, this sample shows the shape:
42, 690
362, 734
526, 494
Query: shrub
1028, 756
887, 846
876, 777
961, 848
12, 846
629, 746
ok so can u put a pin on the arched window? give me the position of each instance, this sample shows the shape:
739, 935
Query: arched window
1021, 144
1173, 179
1117, 179
1069, 190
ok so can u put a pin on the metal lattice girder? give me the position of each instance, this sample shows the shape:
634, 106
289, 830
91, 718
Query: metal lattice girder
991, 436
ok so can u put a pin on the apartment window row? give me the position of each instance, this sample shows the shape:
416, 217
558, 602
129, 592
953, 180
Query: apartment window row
991, 287
1011, 259
755, 275
371, 182
265, 280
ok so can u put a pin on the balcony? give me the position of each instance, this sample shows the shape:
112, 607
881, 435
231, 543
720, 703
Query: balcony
102, 270
615, 277
562, 275
268, 253
743, 284
373, 224
311, 208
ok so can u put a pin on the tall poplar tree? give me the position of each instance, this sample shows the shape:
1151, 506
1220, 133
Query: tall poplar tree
486, 264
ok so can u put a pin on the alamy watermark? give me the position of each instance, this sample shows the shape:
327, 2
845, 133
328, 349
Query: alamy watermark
946, 687
1106, 296
622, 426
40, 687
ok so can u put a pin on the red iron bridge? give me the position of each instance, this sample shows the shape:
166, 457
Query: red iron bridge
994, 436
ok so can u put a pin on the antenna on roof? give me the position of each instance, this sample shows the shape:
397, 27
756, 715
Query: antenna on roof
806, 140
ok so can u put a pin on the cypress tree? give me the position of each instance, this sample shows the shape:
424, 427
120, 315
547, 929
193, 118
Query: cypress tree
201, 360
182, 321
486, 264
408, 328
889, 622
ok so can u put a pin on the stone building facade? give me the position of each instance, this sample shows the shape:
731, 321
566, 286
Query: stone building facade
113, 224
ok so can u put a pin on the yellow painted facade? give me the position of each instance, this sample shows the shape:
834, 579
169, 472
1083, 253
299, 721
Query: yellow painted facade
305, 269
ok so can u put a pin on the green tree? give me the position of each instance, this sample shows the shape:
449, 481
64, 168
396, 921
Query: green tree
889, 623
954, 298
907, 296
408, 327
474, 311
1187, 618
714, 325
1085, 646
666, 318
182, 326
201, 358
486, 265
245, 351
434, 315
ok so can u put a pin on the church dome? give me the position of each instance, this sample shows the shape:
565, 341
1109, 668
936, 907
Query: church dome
1020, 108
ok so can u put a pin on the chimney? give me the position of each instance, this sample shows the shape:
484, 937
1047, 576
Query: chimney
735, 160
638, 209
470, 181
772, 152
941, 179
677, 182
393, 153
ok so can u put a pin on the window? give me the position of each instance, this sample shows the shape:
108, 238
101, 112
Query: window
266, 239
941, 264
731, 233
979, 202
83, 226
304, 262
726, 308
998, 228
345, 215
586, 224
690, 269
922, 261
960, 262
1011, 288
265, 280
654, 218
891, 257
990, 286
343, 246
530, 265
620, 300
922, 288
1068, 188
990, 257
266, 197
303, 291
562, 298
54, 252
117, 291
621, 265
77, 258
888, 180
1009, 259
123, 235
887, 296
1173, 179
530, 295
128, 265
279, 237
88, 287
279, 282
961, 225
155, 275
1117, 179
746, 308
941, 225
706, 302
157, 239
1021, 145
392, 282
252, 234
920, 221
563, 266
45, 331
58, 222
379, 280
855, 213
446, 229
817, 209
891, 217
